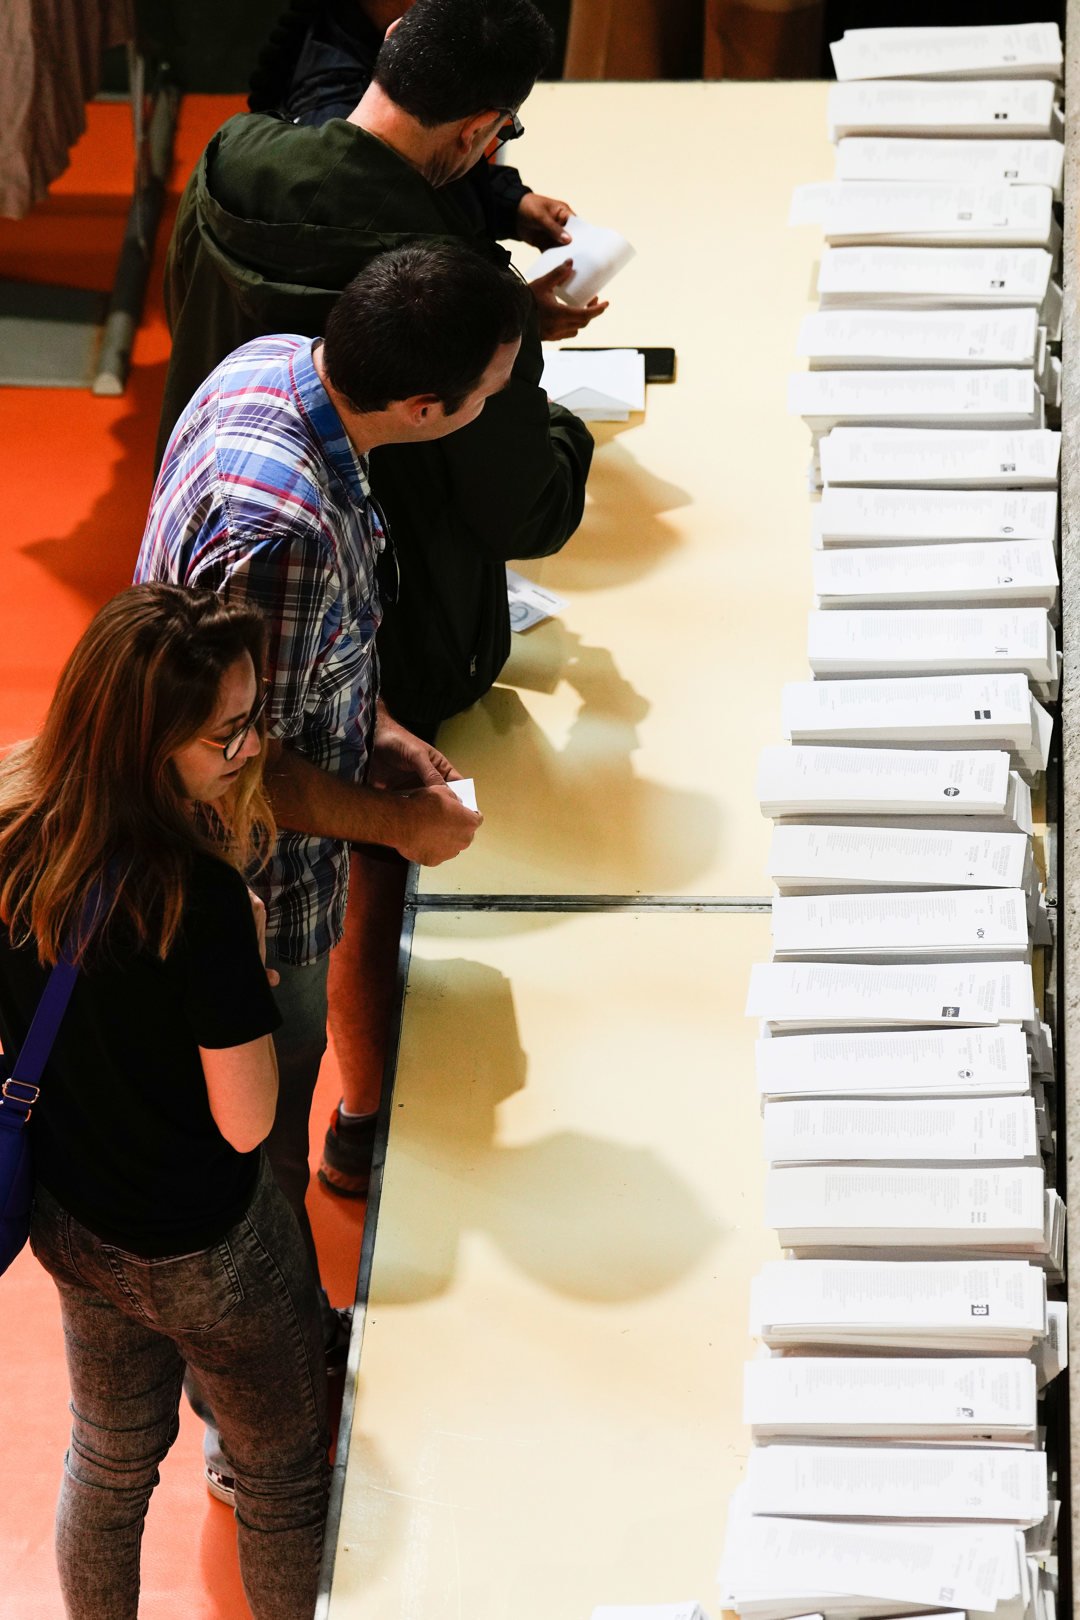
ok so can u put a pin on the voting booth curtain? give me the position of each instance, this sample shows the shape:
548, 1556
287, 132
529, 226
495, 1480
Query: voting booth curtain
678, 39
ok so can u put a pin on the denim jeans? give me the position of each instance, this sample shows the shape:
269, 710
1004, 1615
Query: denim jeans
244, 1315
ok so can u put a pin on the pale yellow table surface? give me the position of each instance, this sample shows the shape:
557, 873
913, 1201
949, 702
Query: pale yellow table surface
618, 754
548, 1408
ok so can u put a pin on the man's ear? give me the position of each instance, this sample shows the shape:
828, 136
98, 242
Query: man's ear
482, 123
418, 409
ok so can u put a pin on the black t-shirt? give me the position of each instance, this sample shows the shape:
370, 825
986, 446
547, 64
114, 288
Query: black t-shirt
122, 1134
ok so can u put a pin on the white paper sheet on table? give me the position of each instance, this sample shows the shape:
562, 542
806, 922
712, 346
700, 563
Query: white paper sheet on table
599, 385
598, 252
529, 602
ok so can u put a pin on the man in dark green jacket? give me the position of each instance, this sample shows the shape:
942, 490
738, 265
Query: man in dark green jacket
274, 222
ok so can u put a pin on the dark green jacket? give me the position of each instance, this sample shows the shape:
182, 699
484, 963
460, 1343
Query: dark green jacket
273, 223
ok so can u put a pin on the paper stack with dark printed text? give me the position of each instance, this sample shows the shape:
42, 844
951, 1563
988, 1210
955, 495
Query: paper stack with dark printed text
904, 1063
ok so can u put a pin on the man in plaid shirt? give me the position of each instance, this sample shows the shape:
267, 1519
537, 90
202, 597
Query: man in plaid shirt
263, 495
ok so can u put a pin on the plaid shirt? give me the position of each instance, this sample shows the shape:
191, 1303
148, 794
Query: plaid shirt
262, 497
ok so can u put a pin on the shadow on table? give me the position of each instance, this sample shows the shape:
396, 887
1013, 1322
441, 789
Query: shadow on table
589, 1218
623, 534
586, 820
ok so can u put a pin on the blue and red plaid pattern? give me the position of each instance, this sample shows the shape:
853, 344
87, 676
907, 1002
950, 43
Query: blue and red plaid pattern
262, 497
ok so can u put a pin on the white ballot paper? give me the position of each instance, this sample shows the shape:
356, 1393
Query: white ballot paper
921, 1063
1009, 50
856, 1568
819, 859
956, 458
649, 1611
979, 162
978, 107
598, 254
914, 1207
934, 277
938, 641
997, 398
938, 213
599, 385
994, 712
881, 781
530, 603
902, 927
997, 1130
969, 1400
977, 1306
898, 1482
939, 338
464, 790
994, 573
823, 995
924, 517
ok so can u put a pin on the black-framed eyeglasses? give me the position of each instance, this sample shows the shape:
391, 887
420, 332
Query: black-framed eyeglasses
232, 745
512, 130
387, 567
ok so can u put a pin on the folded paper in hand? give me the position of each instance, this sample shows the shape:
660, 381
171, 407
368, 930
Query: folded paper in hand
464, 789
599, 385
598, 254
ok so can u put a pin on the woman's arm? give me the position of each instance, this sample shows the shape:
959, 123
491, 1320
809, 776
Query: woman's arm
242, 1085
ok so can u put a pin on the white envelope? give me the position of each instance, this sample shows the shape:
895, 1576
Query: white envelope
598, 254
599, 385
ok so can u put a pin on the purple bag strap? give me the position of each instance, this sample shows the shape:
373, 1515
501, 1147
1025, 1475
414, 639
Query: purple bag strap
22, 1087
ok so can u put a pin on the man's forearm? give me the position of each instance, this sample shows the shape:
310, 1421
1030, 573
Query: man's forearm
308, 799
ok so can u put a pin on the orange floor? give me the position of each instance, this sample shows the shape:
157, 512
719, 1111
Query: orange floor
77, 476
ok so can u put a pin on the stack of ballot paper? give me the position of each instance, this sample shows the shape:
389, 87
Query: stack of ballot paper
935, 641
998, 1130
923, 517
976, 1307
946, 458
828, 995
978, 162
777, 1568
993, 108
1007, 1486
830, 1210
1004, 51
899, 1064
977, 1400
996, 573
932, 213
883, 783
597, 253
912, 278
921, 926
923, 711
983, 398
599, 385
821, 859
935, 338
904, 1072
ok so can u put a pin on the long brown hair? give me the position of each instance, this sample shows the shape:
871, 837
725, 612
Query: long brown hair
93, 806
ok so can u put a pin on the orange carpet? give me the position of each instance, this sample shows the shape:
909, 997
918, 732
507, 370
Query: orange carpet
78, 474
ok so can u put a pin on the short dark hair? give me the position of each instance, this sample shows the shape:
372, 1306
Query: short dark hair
421, 320
451, 59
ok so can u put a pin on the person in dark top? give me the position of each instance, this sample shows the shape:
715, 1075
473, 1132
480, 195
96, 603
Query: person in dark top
124, 829
316, 66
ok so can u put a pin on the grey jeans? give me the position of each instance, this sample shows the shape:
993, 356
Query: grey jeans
244, 1315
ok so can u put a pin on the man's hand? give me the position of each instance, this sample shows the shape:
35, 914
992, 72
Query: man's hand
401, 760
561, 320
434, 826
542, 220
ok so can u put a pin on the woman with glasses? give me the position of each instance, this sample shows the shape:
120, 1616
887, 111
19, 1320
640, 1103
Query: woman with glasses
125, 827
